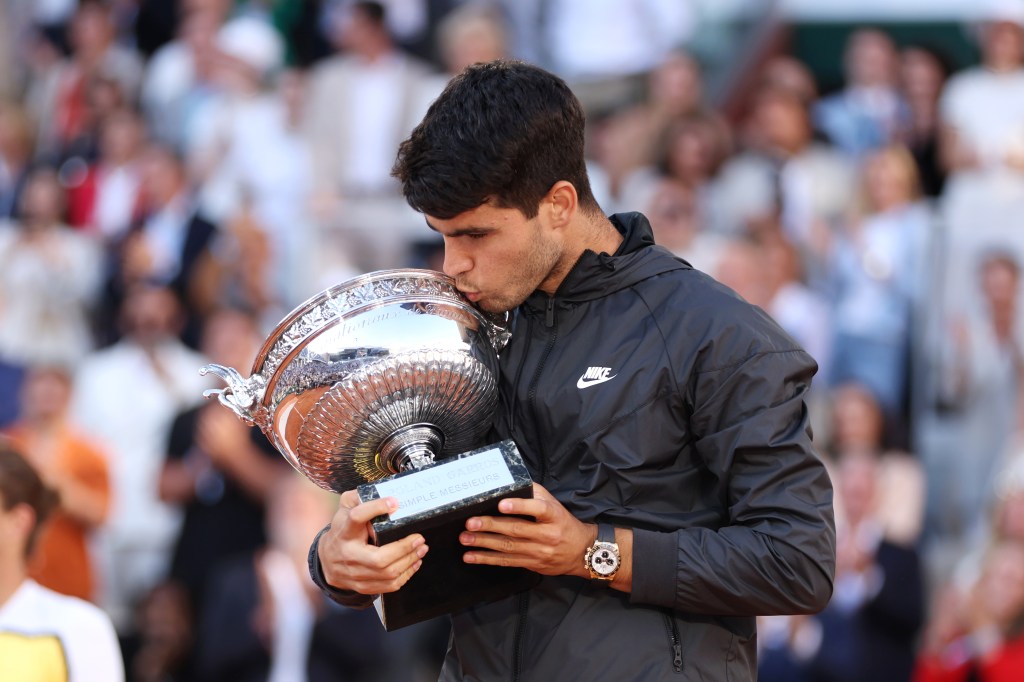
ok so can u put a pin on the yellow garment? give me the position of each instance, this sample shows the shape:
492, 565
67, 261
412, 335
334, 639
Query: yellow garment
32, 658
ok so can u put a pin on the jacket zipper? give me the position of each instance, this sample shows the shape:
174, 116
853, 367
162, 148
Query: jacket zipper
673, 638
523, 319
517, 644
531, 398
549, 321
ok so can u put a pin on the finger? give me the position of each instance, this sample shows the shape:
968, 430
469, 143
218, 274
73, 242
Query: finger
375, 585
367, 511
540, 510
496, 542
541, 506
347, 562
511, 526
541, 493
506, 559
352, 523
350, 498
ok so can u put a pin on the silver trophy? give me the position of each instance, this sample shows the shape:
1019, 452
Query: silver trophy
387, 384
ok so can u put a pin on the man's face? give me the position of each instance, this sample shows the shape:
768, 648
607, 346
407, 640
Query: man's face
498, 257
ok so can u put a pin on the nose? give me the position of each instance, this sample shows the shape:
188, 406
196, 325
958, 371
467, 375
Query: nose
456, 261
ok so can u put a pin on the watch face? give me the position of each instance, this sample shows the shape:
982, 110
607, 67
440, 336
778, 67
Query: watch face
604, 561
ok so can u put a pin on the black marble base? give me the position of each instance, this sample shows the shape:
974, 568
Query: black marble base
444, 583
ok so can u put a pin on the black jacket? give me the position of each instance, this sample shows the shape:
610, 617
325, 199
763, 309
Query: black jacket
699, 442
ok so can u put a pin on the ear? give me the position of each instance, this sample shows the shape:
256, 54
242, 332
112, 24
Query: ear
24, 521
560, 203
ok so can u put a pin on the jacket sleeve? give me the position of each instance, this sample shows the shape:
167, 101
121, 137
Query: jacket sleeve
774, 550
316, 572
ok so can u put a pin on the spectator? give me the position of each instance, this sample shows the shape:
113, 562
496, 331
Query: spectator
800, 310
975, 632
674, 212
218, 470
976, 134
783, 172
240, 114
789, 73
470, 33
60, 101
240, 270
126, 397
923, 75
43, 635
869, 628
983, 380
739, 267
604, 49
50, 279
856, 421
106, 200
878, 279
76, 470
177, 78
869, 112
157, 647
982, 148
165, 243
16, 146
249, 157
361, 104
868, 631
619, 158
693, 149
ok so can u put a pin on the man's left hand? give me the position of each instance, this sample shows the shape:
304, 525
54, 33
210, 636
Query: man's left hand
552, 542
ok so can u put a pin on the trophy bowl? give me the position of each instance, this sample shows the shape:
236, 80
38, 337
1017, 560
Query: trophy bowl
387, 372
387, 384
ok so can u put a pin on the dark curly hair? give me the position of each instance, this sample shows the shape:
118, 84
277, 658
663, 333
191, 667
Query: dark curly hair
502, 131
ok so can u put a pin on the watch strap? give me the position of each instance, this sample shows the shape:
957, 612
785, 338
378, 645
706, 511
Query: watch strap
605, 534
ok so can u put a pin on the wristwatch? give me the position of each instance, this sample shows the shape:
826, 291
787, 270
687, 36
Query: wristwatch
602, 557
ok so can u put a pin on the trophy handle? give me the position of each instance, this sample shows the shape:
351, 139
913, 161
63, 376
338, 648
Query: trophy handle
496, 326
241, 395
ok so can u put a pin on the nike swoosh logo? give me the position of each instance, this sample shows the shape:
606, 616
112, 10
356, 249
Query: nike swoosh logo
583, 383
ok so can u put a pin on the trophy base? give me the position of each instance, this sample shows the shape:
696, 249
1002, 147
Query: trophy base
435, 501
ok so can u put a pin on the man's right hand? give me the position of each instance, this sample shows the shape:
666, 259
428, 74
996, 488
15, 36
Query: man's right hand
351, 562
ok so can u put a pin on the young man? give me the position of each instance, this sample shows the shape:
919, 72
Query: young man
658, 413
43, 635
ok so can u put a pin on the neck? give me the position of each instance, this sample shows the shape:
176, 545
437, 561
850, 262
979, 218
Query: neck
44, 425
594, 233
606, 238
12, 575
375, 51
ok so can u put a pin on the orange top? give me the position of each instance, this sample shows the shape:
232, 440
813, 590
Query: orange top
61, 559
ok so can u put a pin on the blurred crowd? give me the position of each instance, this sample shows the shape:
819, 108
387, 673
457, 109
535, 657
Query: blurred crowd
177, 175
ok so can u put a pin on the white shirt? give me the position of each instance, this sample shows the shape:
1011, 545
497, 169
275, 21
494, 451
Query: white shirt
592, 38
116, 193
50, 637
46, 289
164, 233
987, 111
375, 106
